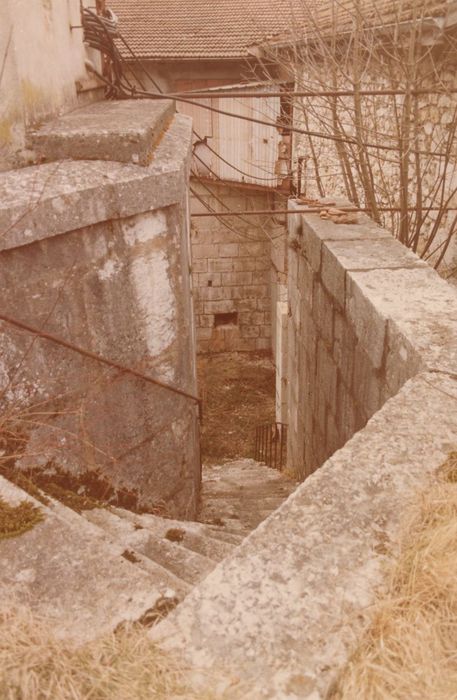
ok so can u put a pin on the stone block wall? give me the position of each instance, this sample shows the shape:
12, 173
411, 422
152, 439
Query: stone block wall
369, 324
231, 271
365, 314
97, 253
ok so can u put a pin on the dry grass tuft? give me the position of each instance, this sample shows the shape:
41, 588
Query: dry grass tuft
35, 665
409, 651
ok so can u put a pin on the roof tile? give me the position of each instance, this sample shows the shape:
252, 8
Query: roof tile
193, 29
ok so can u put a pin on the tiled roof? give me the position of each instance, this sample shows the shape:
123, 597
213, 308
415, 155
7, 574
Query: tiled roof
186, 29
193, 29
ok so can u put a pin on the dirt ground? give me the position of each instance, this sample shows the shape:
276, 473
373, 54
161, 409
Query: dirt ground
238, 392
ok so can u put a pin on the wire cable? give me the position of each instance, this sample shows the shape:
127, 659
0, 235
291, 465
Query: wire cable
130, 91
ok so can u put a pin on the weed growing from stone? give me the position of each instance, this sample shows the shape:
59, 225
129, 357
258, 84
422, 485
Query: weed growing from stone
175, 534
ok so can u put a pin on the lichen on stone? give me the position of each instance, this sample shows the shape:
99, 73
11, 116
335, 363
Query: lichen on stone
15, 520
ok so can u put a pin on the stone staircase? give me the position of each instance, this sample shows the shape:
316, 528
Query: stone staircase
95, 570
242, 494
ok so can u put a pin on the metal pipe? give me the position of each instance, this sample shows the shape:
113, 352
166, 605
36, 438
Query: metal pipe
311, 210
201, 95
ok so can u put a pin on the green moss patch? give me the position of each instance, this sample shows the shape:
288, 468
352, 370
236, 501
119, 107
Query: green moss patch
15, 520
20, 479
84, 491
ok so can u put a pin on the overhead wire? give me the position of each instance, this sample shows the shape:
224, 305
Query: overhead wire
219, 215
224, 182
293, 129
213, 212
318, 209
201, 95
228, 212
148, 74
135, 93
132, 92
237, 169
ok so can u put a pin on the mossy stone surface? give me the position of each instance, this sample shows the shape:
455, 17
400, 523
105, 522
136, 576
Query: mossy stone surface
15, 520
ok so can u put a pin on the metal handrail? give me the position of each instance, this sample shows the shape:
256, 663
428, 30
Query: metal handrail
102, 360
271, 444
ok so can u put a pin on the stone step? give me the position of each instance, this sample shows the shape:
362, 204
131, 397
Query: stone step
174, 556
67, 562
235, 528
199, 537
285, 611
242, 493
207, 546
67, 571
174, 587
184, 563
220, 532
131, 544
260, 500
254, 490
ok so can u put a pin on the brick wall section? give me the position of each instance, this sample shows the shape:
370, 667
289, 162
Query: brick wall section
231, 273
365, 314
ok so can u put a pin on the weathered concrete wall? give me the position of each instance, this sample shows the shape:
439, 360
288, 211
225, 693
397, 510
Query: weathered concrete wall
41, 58
238, 264
231, 271
365, 315
281, 361
98, 253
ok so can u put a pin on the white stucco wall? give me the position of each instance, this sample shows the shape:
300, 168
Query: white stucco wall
41, 58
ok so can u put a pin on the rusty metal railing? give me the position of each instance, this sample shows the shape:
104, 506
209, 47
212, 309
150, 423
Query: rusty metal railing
271, 444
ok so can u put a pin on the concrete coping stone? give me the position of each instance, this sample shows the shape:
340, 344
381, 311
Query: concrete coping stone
327, 230
370, 254
384, 287
285, 610
122, 130
45, 200
417, 305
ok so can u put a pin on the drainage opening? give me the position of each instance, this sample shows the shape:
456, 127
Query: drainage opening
226, 319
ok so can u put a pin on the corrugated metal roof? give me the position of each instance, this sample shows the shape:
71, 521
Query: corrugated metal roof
198, 29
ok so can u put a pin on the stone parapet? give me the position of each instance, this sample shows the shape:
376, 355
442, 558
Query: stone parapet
366, 314
372, 337
284, 611
45, 200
